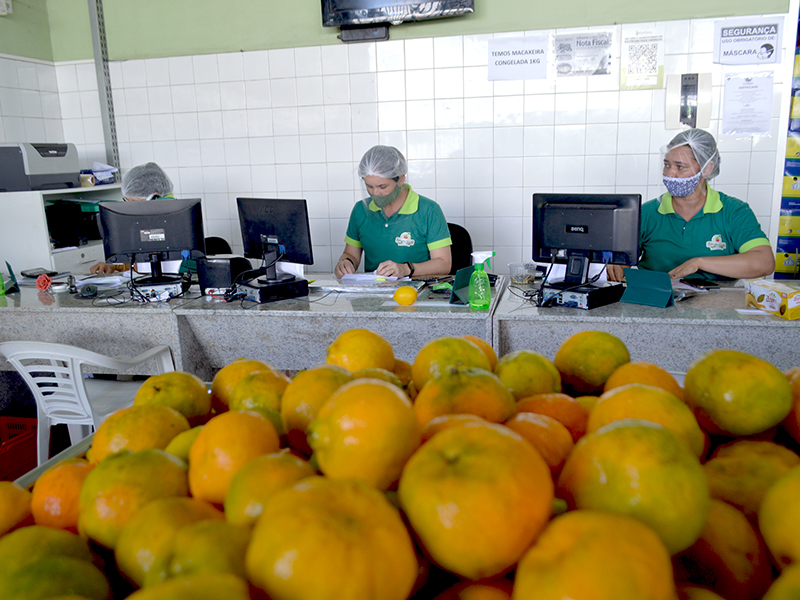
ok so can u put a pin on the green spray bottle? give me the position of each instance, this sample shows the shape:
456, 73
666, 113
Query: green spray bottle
480, 292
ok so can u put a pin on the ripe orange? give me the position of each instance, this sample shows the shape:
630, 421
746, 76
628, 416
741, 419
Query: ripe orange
366, 431
225, 445
565, 409
405, 295
184, 392
729, 557
30, 544
15, 506
779, 519
56, 493
228, 376
56, 576
402, 370
368, 552
639, 401
497, 588
261, 391
691, 592
527, 373
464, 390
181, 443
204, 586
599, 555
786, 586
382, 374
486, 347
210, 547
645, 373
547, 435
737, 393
357, 349
476, 496
587, 359
303, 398
439, 354
443, 422
792, 421
639, 469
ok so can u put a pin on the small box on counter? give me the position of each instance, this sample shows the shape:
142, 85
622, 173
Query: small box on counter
781, 298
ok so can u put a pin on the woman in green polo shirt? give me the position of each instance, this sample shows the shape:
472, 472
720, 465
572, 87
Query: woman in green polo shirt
695, 231
399, 232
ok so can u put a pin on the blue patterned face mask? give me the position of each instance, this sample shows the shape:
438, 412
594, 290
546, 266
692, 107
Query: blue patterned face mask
680, 187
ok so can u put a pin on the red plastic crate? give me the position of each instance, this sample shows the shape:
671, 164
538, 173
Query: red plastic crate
17, 447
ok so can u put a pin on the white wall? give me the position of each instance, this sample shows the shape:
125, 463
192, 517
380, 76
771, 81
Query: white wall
294, 123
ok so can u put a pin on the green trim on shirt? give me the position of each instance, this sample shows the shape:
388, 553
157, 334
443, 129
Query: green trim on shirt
713, 202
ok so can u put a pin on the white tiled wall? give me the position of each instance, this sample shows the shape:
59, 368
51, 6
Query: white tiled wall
294, 123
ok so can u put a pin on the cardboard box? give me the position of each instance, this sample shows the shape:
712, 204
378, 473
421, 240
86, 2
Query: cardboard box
780, 298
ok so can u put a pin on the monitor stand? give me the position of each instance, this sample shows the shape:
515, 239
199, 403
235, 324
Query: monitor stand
576, 291
157, 285
274, 286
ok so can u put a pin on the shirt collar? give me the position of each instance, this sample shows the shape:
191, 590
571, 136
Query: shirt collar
409, 206
713, 202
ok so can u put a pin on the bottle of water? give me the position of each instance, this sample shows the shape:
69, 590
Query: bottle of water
480, 293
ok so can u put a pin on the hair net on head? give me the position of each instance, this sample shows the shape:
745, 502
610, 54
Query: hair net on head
703, 146
383, 161
146, 180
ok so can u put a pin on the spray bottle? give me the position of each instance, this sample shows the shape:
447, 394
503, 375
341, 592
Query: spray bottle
480, 293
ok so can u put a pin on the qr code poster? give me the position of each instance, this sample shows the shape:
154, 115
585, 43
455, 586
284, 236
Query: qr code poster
642, 58
583, 54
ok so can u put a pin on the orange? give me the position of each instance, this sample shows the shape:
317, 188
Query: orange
204, 586
588, 402
138, 427
464, 390
639, 401
28, 545
547, 435
405, 295
486, 589
737, 393
741, 472
435, 356
587, 554
261, 391
792, 421
402, 370
587, 359
227, 443
144, 547
729, 557
56, 493
116, 488
779, 519
184, 392
303, 398
56, 576
179, 445
645, 373
228, 376
443, 422
357, 349
486, 347
527, 373
382, 374
366, 431
476, 496
690, 592
258, 480
368, 552
15, 506
786, 586
639, 469
565, 409
209, 547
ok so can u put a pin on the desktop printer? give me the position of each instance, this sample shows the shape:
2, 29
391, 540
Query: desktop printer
25, 167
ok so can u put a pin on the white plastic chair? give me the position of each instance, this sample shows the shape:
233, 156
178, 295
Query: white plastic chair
54, 374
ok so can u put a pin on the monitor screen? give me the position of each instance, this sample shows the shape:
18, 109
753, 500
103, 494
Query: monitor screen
598, 228
336, 13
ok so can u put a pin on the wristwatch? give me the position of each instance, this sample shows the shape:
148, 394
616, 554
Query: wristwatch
411, 267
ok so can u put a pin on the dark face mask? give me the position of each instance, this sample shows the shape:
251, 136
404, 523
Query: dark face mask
384, 201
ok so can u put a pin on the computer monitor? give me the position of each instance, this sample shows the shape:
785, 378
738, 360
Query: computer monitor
275, 229
578, 229
154, 231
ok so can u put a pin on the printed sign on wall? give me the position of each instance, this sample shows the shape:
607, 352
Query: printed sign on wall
642, 58
518, 58
748, 41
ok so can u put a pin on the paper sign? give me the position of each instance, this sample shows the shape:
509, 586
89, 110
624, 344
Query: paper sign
748, 41
642, 59
518, 58
583, 54
747, 104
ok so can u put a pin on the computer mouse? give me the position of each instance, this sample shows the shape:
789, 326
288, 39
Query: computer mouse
89, 291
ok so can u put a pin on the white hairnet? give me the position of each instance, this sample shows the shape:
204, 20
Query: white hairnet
703, 146
383, 161
146, 180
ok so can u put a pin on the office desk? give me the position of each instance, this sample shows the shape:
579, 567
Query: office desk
670, 337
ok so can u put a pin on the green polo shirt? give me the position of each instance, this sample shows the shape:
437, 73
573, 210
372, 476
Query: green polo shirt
725, 226
407, 236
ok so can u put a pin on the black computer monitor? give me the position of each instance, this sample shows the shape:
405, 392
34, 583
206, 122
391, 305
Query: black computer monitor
275, 229
578, 229
154, 231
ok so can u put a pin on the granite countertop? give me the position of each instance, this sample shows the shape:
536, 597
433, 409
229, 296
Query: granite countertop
31, 299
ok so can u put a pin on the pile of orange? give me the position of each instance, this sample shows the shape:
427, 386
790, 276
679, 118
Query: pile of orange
454, 474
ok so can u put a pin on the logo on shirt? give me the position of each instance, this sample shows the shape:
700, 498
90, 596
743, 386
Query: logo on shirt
404, 239
716, 243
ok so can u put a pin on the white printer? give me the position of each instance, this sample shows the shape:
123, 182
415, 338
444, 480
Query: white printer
25, 167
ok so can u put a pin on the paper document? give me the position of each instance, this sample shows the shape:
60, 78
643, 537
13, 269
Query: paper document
369, 278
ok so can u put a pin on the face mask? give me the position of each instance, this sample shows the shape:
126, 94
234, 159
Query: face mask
682, 186
384, 201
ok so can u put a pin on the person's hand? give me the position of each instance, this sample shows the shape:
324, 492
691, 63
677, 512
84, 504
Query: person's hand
615, 272
343, 267
102, 268
390, 268
690, 266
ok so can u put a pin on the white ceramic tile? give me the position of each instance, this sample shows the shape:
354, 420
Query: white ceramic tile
53, 131
315, 176
539, 109
159, 100
215, 180
540, 86
234, 123
139, 128
476, 82
183, 99
136, 100
449, 114
537, 173
508, 111
507, 205
476, 49
566, 85
11, 103
257, 94
262, 151
255, 65
759, 197
734, 144
32, 104
508, 87
283, 92
632, 170
363, 87
676, 36
336, 89
281, 63
419, 84
338, 118
570, 109
635, 105
768, 143
186, 126
335, 60
51, 108
507, 172
448, 83
701, 35
362, 58
308, 61
506, 229
46, 75
570, 140
237, 151
87, 77
508, 142
34, 129
180, 70
481, 231
265, 180
92, 130
600, 171
451, 200
284, 121
676, 64
477, 201
26, 75
391, 116
478, 173
312, 149
659, 136
391, 86
162, 127
762, 167
390, 56
209, 124
309, 91
479, 142
289, 178
421, 175
189, 153
204, 68
311, 119
419, 54
287, 149
73, 130
450, 143
601, 138
66, 76
633, 138
165, 154
115, 73
421, 115
421, 144
539, 141
478, 112
448, 52
230, 66
603, 107
568, 171
340, 178
232, 95
118, 99
212, 153
190, 180
338, 147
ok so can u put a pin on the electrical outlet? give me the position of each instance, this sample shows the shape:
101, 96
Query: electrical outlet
5, 7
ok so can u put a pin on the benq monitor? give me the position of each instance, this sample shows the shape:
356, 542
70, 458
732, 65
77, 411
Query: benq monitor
578, 229
275, 230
